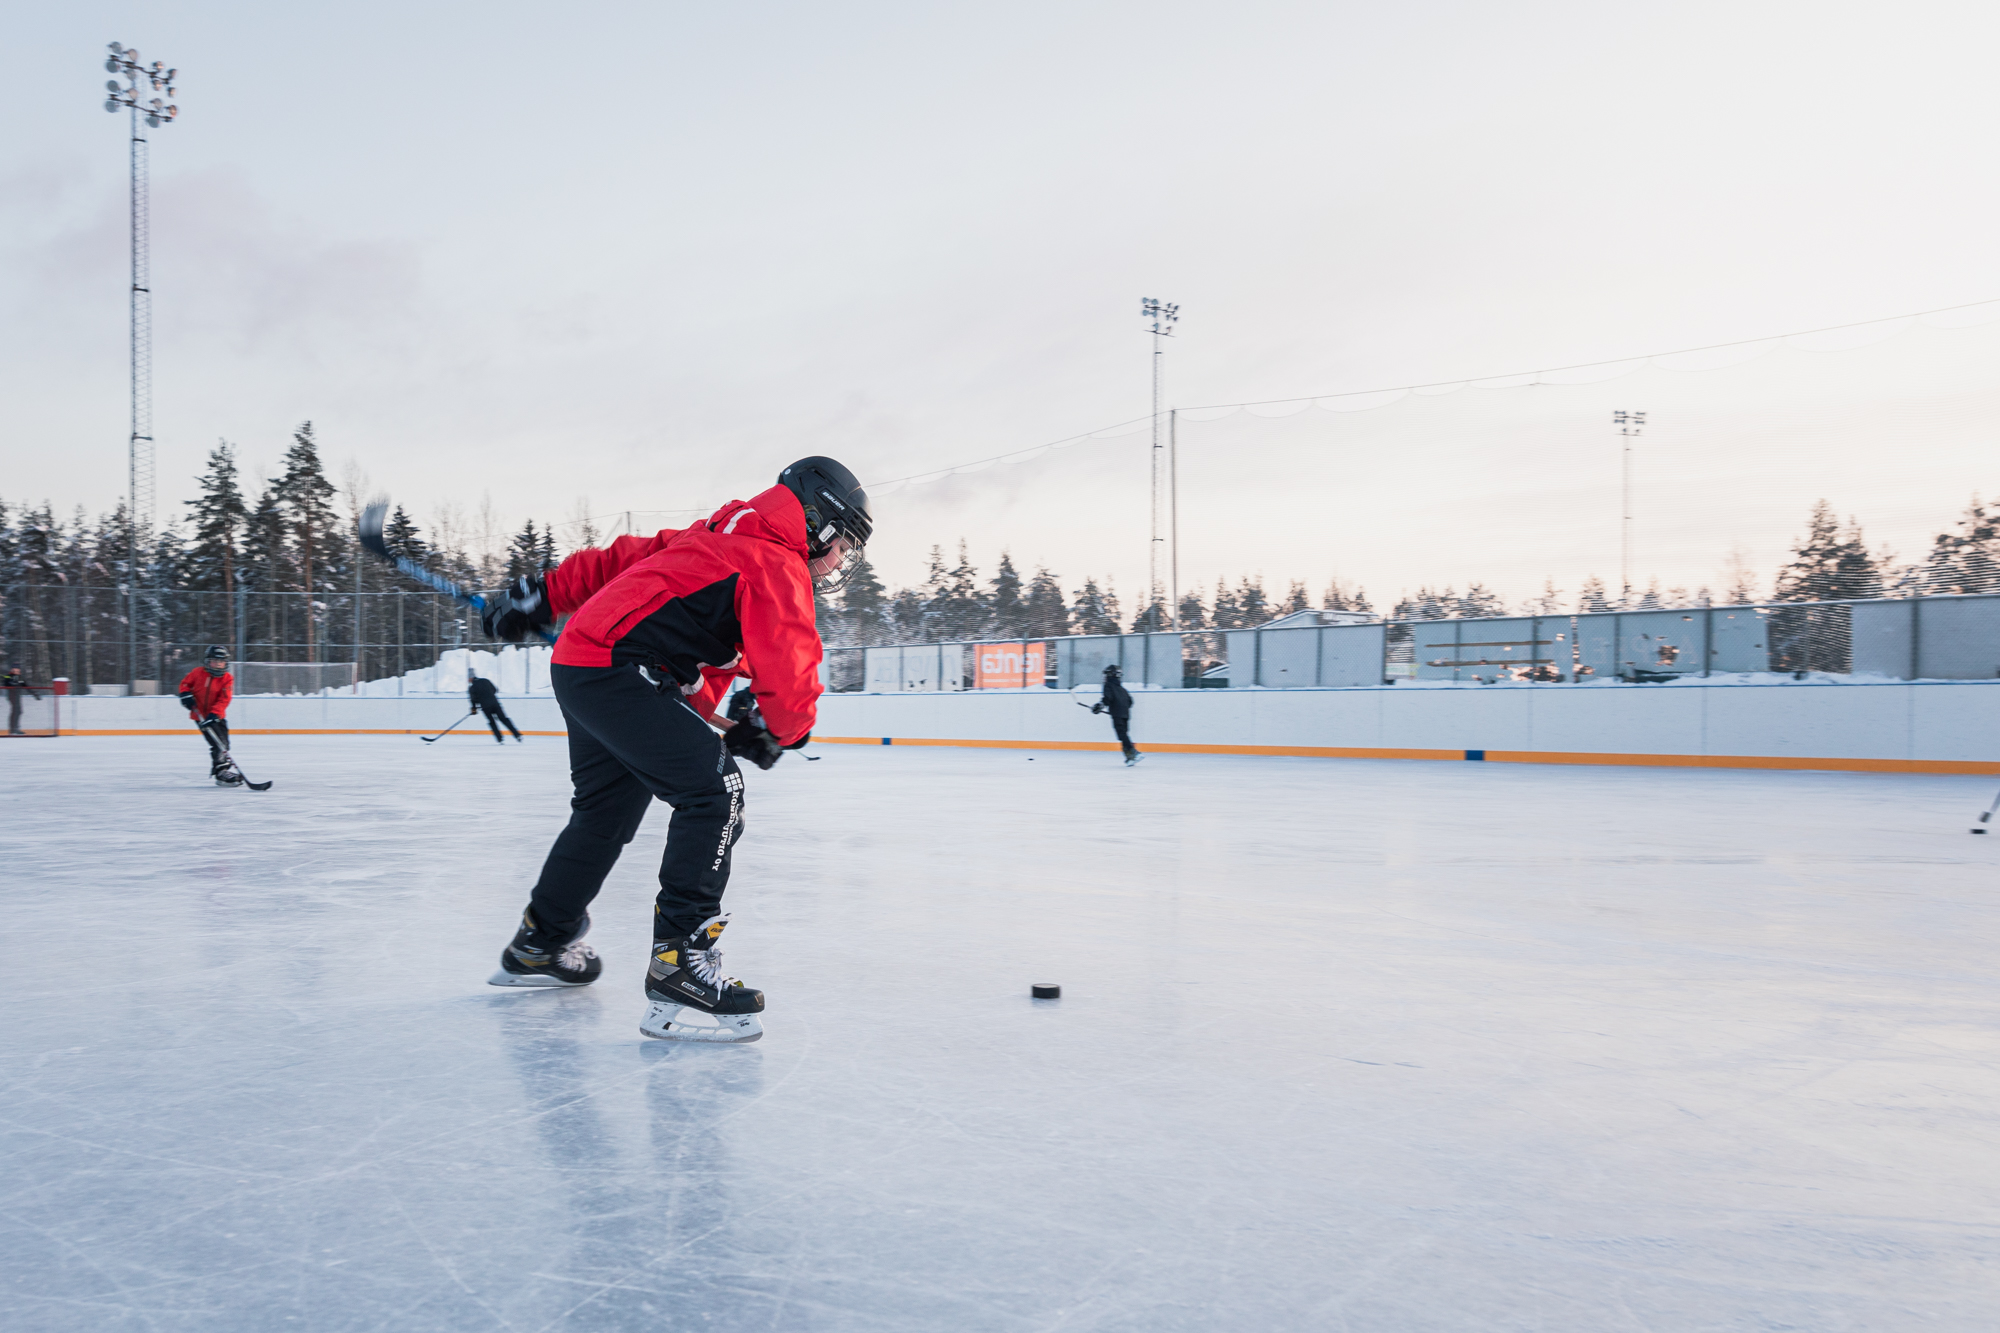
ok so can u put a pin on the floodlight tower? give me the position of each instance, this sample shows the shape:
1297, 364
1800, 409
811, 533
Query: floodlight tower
1631, 425
146, 114
1163, 318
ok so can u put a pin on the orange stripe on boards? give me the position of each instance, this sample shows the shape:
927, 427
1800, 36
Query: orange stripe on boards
1976, 767
1968, 766
295, 731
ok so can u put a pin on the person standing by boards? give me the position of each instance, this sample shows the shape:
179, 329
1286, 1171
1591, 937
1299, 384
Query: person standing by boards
1117, 701
205, 692
486, 699
15, 682
658, 628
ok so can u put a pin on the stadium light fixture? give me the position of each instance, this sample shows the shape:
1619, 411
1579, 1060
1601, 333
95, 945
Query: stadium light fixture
147, 113
1163, 316
1631, 425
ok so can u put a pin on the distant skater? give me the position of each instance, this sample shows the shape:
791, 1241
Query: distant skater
15, 682
1117, 701
486, 699
205, 692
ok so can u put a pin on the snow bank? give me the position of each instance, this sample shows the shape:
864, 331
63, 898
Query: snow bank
516, 671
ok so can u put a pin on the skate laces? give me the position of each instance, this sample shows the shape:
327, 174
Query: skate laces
706, 964
574, 955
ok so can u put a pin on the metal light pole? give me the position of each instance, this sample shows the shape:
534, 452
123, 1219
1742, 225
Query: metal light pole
1164, 318
146, 113
1631, 425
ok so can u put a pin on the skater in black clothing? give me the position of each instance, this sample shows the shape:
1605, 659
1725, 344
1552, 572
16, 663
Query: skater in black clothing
14, 682
1117, 701
486, 699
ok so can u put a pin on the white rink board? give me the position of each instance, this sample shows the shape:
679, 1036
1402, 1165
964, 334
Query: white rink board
1421, 1048
1941, 721
1955, 721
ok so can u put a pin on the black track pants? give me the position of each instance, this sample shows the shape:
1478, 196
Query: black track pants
494, 717
628, 743
1122, 726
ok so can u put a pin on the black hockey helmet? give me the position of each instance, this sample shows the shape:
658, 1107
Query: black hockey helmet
1113, 670
216, 653
836, 508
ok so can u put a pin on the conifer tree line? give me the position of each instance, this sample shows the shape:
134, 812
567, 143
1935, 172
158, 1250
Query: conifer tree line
1830, 561
271, 565
274, 566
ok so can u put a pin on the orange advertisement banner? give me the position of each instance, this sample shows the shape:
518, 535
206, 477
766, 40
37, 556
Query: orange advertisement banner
1004, 666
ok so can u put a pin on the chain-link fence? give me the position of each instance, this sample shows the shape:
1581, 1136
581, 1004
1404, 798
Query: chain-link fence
83, 634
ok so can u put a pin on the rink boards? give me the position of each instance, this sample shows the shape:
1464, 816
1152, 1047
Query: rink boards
1922, 727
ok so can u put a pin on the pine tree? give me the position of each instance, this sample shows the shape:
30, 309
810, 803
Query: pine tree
1967, 560
1252, 607
1479, 603
400, 535
1592, 599
906, 611
1046, 615
1193, 615
1296, 599
1150, 619
957, 607
1009, 611
524, 552
1227, 614
1549, 603
1427, 604
305, 497
863, 604
1091, 612
1829, 564
219, 518
267, 569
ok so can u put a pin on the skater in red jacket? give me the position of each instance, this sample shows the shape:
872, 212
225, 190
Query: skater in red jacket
205, 692
658, 627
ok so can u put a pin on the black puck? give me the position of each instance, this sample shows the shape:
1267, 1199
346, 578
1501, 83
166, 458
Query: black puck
1045, 990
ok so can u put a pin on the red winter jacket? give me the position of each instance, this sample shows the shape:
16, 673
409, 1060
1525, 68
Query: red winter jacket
729, 597
211, 692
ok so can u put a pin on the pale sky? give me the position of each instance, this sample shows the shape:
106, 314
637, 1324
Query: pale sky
643, 255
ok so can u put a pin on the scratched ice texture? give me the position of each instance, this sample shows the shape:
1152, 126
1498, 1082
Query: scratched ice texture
1342, 1045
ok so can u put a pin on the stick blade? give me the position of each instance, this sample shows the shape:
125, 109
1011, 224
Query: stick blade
370, 529
260, 786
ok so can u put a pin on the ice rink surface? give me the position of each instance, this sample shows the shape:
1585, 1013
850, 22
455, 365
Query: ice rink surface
1343, 1045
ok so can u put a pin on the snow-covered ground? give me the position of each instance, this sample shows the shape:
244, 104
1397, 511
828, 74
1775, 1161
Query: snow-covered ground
1342, 1045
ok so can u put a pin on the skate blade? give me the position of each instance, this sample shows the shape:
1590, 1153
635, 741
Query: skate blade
505, 978
676, 1022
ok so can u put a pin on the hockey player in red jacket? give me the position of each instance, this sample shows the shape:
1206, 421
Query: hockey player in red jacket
205, 692
658, 628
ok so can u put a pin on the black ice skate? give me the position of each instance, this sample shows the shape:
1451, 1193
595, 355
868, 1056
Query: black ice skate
689, 999
224, 771
539, 958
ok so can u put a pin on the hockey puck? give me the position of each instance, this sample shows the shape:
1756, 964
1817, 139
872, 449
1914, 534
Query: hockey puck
1045, 990
1978, 830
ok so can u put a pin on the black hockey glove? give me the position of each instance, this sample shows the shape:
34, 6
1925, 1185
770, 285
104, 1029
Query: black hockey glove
518, 609
751, 741
187, 700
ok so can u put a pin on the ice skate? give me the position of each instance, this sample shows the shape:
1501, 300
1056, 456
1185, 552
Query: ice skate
1133, 758
688, 997
538, 958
